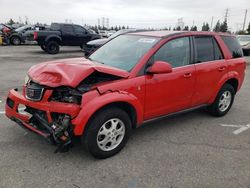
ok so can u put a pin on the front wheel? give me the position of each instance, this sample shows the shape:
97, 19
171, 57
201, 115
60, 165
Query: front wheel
15, 40
223, 101
107, 132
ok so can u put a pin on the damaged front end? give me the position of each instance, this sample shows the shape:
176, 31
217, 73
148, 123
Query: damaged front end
49, 111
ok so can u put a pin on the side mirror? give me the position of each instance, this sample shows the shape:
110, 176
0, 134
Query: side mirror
160, 67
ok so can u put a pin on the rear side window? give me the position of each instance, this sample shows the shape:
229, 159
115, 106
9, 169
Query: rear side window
207, 49
79, 29
233, 45
68, 29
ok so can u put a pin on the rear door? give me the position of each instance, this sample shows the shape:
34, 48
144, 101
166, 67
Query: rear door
211, 68
68, 35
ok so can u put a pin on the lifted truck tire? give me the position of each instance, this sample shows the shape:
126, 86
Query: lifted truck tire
43, 47
52, 47
107, 132
223, 101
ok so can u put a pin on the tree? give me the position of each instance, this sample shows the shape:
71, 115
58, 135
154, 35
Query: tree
217, 26
186, 28
194, 28
205, 27
248, 29
223, 26
123, 27
178, 28
11, 22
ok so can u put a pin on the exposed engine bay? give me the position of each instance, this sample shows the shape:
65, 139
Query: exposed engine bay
60, 130
74, 95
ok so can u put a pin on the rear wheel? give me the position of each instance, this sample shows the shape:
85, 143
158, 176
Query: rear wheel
43, 47
107, 132
52, 47
15, 40
223, 101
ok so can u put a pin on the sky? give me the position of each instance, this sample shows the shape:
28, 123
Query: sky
133, 13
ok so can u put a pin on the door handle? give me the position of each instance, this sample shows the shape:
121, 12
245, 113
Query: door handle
187, 75
222, 68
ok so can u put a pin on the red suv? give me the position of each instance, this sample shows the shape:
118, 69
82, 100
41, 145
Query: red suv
131, 79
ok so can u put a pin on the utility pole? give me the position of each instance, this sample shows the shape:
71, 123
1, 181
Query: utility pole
211, 26
226, 15
244, 23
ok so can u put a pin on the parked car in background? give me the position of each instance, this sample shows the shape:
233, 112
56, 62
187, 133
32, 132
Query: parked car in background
103, 33
111, 32
5, 29
245, 43
91, 46
21, 34
61, 34
135, 77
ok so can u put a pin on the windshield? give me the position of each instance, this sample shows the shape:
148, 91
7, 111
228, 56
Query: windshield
244, 38
124, 52
22, 28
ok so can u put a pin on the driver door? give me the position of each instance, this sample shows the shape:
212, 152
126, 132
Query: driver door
171, 92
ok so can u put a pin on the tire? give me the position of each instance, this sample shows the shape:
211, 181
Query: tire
101, 139
223, 102
15, 40
43, 47
52, 47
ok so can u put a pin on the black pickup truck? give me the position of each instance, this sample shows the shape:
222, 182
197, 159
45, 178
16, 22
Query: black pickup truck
63, 35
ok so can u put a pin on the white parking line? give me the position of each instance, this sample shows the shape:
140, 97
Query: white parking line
241, 128
21, 111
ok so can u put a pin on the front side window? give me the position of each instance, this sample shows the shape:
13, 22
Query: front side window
68, 29
176, 52
79, 29
124, 51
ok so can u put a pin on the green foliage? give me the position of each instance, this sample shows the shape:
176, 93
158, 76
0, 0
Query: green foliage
11, 22
194, 28
223, 26
217, 26
205, 27
186, 28
178, 28
248, 29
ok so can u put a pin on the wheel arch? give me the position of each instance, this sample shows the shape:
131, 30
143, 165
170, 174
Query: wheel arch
54, 38
232, 81
123, 101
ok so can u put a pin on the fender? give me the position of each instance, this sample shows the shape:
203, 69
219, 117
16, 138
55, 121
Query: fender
230, 75
52, 37
17, 35
89, 107
222, 81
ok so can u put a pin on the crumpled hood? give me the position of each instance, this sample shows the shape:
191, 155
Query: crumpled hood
69, 72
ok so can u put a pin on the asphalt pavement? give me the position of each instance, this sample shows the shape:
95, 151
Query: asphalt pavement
189, 150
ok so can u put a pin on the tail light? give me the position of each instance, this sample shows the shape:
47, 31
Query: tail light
35, 35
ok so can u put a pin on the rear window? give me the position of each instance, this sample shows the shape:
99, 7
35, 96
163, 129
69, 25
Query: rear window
233, 45
207, 49
55, 27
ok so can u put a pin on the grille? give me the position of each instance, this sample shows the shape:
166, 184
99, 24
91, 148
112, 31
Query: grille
34, 92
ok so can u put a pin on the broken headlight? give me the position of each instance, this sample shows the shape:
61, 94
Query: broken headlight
26, 80
66, 95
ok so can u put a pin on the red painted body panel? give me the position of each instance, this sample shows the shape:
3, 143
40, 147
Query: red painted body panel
150, 95
69, 72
